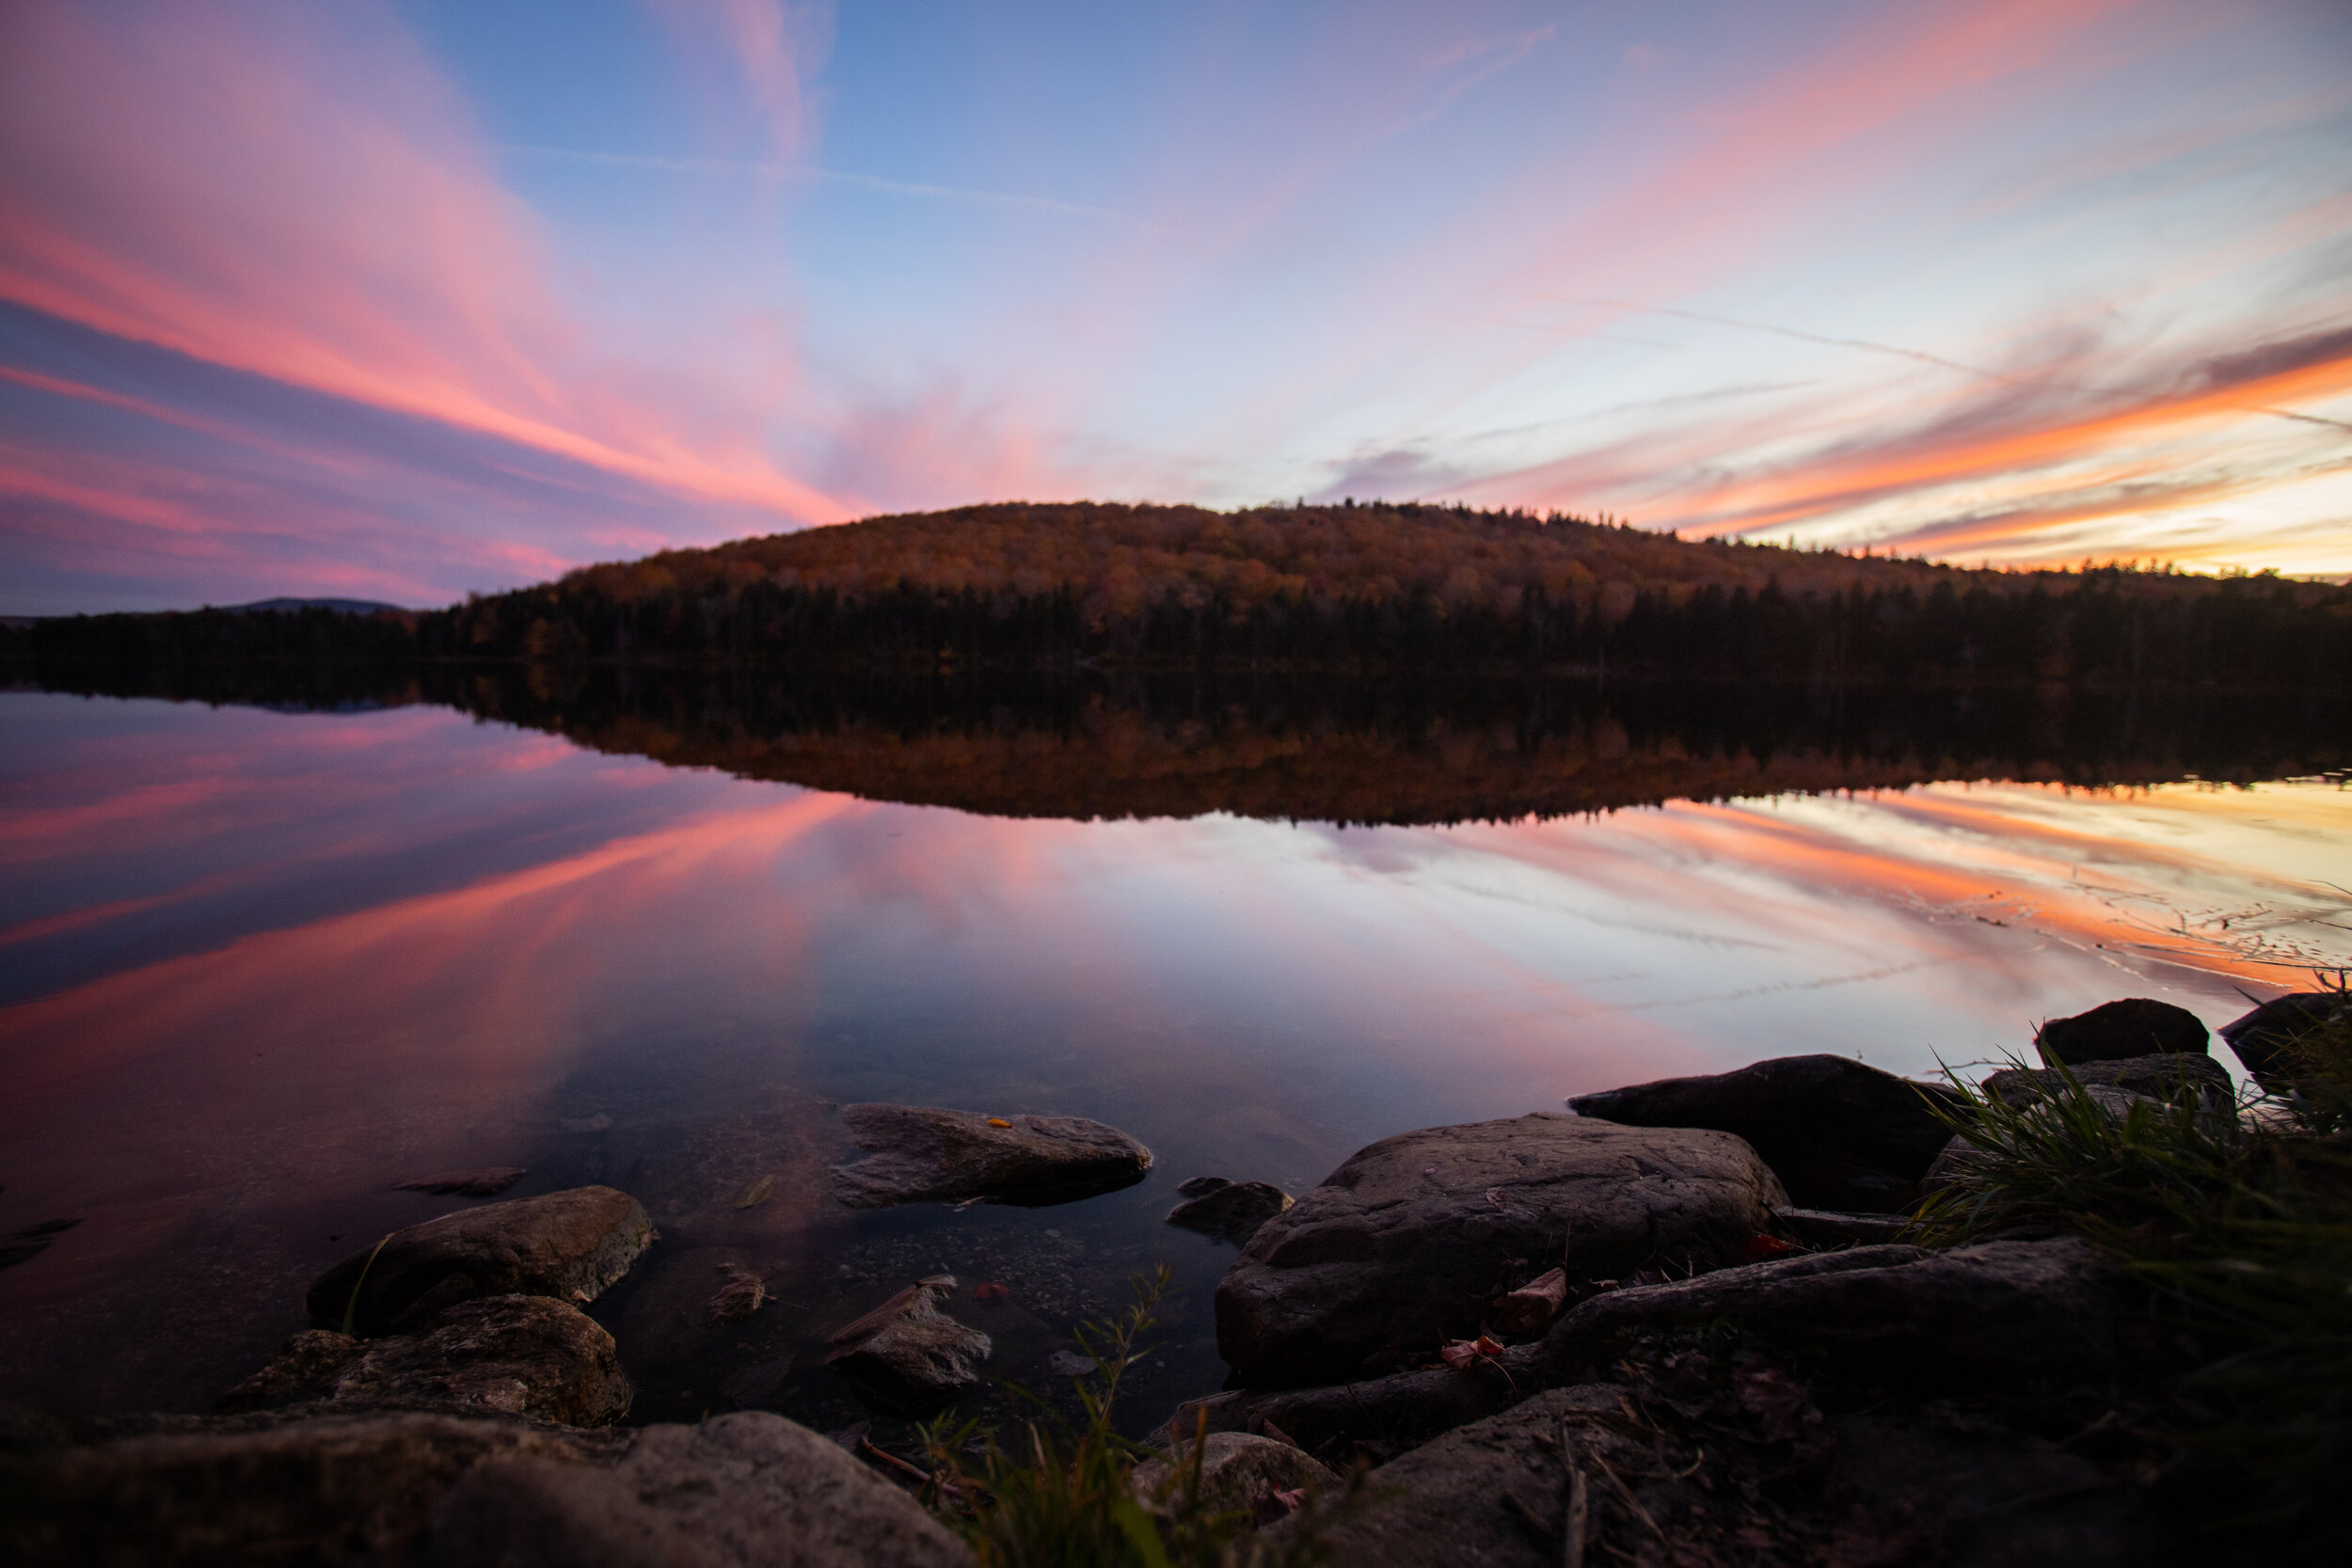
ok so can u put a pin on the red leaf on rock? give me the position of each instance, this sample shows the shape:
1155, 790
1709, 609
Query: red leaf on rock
991, 1293
1769, 1246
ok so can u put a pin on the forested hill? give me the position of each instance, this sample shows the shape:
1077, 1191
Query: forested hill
1373, 587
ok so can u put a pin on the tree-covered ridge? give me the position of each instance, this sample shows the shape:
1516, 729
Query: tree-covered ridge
1381, 587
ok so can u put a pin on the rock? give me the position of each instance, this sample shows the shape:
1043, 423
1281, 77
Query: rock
1412, 1240
469, 1183
1961, 1157
1386, 1415
1832, 1228
907, 1357
1839, 1134
2160, 1077
1237, 1471
519, 1355
1231, 1211
1534, 1305
465, 1492
744, 1489
570, 1245
2136, 1027
916, 1154
1996, 1314
740, 1297
2263, 1039
1494, 1493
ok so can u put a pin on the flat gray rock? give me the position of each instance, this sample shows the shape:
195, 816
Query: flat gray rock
467, 1493
918, 1154
907, 1357
2160, 1077
1413, 1239
518, 1355
569, 1244
1998, 1314
1237, 1470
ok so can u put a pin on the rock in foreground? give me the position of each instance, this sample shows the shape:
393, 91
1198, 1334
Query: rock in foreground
1237, 1471
2265, 1038
1838, 1134
518, 1355
1229, 1211
917, 1154
907, 1357
2136, 1027
1998, 1314
744, 1489
2159, 1077
1414, 1240
570, 1245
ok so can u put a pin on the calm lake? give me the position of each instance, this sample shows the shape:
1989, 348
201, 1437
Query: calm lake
260, 966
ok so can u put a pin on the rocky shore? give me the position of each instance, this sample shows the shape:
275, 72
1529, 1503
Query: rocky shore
1719, 1320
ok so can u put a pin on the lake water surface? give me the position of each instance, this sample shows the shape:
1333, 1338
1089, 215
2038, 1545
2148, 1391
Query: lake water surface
257, 967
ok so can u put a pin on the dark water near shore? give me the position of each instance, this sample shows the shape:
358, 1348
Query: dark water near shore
258, 966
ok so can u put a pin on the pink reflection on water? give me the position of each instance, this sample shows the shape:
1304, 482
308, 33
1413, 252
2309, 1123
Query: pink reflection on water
579, 937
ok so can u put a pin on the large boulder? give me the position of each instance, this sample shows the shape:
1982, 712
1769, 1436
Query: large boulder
1997, 1314
520, 1356
465, 1492
907, 1357
2136, 1027
570, 1245
1839, 1134
916, 1154
1412, 1241
2265, 1038
2159, 1077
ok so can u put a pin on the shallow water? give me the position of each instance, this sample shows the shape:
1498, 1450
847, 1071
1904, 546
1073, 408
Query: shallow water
260, 966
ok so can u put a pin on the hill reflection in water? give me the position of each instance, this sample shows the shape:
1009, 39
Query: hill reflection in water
1397, 754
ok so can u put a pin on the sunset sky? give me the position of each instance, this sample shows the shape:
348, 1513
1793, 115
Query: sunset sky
401, 300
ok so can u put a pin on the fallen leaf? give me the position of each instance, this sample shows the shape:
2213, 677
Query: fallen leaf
1769, 1246
998, 1121
757, 1192
1494, 1195
991, 1293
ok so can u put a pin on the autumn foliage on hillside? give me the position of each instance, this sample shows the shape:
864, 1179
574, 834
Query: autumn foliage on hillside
1375, 587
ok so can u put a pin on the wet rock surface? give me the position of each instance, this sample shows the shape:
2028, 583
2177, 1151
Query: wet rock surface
1995, 1314
487, 1183
1237, 1470
907, 1357
2160, 1077
570, 1245
449, 1490
2135, 1026
1378, 1416
1838, 1134
1229, 1211
916, 1154
1413, 1239
518, 1355
2263, 1039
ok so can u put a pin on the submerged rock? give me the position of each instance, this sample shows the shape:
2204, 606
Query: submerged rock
741, 1293
1838, 1134
2136, 1027
907, 1357
2265, 1038
918, 1154
1231, 1211
1413, 1239
1992, 1315
1237, 1471
469, 1183
2160, 1077
466, 1493
570, 1245
519, 1355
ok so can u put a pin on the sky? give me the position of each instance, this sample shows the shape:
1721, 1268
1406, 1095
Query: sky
403, 300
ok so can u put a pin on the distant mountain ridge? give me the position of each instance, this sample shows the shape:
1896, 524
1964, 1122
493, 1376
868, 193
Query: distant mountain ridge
288, 607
